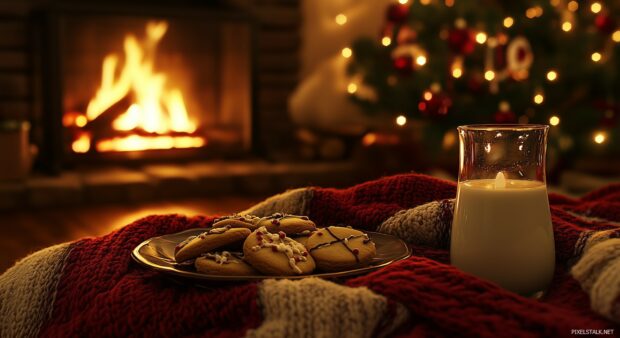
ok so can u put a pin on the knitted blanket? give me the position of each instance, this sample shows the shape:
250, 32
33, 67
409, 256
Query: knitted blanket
91, 287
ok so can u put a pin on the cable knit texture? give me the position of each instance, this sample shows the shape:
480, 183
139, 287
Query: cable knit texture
96, 289
428, 224
27, 291
599, 274
295, 201
317, 308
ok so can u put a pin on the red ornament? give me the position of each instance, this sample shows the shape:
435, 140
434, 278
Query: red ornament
437, 105
461, 41
406, 35
403, 64
397, 13
605, 23
505, 116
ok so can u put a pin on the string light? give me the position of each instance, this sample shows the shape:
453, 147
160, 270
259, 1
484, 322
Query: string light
600, 137
596, 7
539, 98
567, 26
508, 22
351, 88
552, 75
534, 12
386, 41
457, 72
425, 2
596, 56
449, 3
403, 2
347, 52
573, 6
489, 75
369, 139
421, 60
401, 120
341, 19
616, 36
481, 38
554, 120
428, 95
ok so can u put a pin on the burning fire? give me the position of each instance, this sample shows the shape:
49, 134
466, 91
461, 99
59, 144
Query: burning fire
156, 119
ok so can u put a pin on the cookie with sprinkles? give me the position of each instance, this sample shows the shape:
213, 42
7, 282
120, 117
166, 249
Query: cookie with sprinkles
340, 248
208, 241
223, 263
276, 254
237, 221
289, 224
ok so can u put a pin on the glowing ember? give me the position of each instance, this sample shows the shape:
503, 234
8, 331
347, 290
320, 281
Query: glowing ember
136, 142
81, 144
156, 111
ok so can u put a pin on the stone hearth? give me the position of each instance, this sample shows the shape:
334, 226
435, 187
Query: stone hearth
172, 181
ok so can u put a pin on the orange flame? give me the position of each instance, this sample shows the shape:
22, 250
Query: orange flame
81, 144
156, 109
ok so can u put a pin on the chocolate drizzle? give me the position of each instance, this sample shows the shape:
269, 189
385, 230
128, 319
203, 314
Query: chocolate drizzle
238, 217
278, 217
344, 242
275, 218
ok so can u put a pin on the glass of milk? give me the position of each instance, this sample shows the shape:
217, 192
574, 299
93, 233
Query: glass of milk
502, 228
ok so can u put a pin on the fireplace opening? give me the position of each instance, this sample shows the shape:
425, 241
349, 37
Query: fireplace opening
151, 86
148, 111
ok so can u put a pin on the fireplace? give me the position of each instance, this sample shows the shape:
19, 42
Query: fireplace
131, 84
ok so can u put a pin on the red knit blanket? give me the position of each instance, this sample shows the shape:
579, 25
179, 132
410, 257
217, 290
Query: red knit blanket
92, 286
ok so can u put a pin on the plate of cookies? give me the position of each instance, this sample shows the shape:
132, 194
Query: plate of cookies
246, 247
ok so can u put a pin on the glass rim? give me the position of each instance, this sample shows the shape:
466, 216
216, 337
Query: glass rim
493, 127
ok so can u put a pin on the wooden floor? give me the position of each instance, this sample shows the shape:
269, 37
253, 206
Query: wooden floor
22, 232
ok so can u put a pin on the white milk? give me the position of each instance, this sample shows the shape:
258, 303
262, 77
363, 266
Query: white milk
502, 232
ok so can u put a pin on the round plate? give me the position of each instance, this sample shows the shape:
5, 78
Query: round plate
157, 253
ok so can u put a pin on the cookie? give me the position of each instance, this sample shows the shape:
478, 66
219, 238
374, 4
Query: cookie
339, 248
276, 254
223, 263
207, 241
289, 224
237, 221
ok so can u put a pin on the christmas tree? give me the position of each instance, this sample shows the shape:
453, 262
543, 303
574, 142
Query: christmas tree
453, 62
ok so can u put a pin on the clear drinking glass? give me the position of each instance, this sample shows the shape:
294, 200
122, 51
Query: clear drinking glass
502, 228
